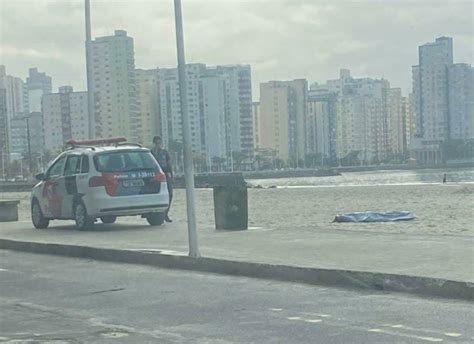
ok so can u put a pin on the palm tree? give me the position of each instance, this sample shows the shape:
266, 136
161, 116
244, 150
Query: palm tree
279, 163
259, 159
175, 148
218, 162
200, 163
237, 158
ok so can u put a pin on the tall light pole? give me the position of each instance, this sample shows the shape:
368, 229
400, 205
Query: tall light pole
188, 154
30, 162
3, 167
90, 95
28, 140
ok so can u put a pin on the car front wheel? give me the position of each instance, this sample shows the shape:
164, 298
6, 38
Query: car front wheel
155, 219
108, 219
83, 220
39, 221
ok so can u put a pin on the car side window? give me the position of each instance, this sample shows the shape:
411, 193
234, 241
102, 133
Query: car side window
73, 165
57, 169
85, 164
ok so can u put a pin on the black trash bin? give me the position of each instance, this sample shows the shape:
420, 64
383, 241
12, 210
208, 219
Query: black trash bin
230, 207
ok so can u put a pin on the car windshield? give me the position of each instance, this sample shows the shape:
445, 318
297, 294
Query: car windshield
123, 161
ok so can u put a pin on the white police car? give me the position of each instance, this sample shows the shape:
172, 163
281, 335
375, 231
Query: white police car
100, 179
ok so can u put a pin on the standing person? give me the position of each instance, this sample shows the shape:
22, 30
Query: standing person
163, 157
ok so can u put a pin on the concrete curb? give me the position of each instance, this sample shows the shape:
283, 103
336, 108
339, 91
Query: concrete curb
424, 286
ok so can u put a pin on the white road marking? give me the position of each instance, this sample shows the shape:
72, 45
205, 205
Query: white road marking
317, 315
4, 270
313, 321
383, 331
408, 328
276, 309
453, 334
431, 339
398, 334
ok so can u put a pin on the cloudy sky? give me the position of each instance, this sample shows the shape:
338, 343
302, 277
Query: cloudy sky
281, 39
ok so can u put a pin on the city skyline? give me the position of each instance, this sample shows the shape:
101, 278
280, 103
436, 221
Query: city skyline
369, 115
352, 47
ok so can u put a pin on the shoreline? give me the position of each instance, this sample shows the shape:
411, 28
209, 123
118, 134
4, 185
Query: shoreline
208, 180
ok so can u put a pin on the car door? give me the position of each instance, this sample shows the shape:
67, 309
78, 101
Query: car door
54, 189
71, 172
82, 179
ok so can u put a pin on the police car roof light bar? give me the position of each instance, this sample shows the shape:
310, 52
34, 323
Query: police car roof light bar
128, 144
98, 142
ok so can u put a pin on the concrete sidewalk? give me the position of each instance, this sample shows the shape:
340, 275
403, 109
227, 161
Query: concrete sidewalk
435, 256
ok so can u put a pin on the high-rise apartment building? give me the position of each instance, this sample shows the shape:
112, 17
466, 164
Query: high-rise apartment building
283, 118
38, 80
408, 122
256, 124
170, 107
395, 124
321, 125
360, 128
27, 127
461, 101
217, 133
65, 117
367, 112
238, 103
219, 105
16, 99
116, 111
37, 84
277, 117
4, 133
148, 102
431, 105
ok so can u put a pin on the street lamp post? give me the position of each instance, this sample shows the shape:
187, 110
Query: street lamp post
90, 95
30, 162
3, 167
188, 156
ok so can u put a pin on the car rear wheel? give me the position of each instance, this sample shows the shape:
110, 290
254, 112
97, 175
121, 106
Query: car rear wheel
39, 221
155, 219
83, 220
108, 219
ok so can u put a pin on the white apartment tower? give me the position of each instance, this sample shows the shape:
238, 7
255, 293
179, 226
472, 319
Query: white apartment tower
321, 125
170, 107
461, 101
16, 102
37, 84
368, 116
238, 106
219, 105
65, 117
431, 105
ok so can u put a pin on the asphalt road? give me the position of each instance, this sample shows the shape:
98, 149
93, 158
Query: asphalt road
48, 299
